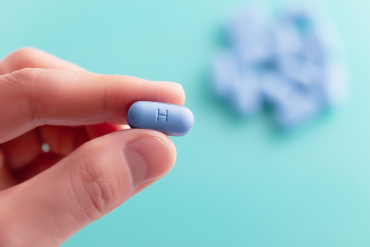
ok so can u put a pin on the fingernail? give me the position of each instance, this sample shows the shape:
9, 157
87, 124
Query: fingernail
147, 158
168, 83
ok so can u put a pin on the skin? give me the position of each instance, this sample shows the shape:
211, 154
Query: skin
95, 162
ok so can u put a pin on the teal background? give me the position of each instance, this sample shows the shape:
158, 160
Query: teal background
236, 182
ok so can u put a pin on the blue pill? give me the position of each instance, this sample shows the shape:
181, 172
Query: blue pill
296, 108
173, 120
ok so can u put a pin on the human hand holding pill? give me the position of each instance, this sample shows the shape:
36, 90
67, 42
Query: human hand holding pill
46, 197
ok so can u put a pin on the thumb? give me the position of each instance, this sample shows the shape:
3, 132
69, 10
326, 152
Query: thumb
99, 176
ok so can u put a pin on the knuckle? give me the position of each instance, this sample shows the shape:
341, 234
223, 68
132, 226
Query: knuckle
107, 98
25, 76
96, 188
20, 79
110, 97
12, 80
21, 82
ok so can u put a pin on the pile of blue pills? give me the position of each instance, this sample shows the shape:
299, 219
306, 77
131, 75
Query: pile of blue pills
291, 60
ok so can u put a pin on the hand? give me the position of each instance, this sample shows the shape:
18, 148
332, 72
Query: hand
91, 167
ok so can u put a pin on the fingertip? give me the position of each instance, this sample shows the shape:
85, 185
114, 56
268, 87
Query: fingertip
136, 134
177, 90
30, 57
149, 155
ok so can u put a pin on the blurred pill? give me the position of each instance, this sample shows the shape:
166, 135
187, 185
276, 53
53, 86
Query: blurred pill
329, 39
226, 69
275, 88
303, 16
302, 71
247, 21
245, 94
255, 50
287, 39
313, 49
294, 31
173, 120
295, 109
316, 27
249, 34
291, 105
335, 83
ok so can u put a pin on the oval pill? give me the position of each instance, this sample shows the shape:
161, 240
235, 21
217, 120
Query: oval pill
173, 120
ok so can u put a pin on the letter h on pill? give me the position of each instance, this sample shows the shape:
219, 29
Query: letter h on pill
162, 117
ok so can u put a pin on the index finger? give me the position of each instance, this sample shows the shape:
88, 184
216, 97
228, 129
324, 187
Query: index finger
34, 58
35, 97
